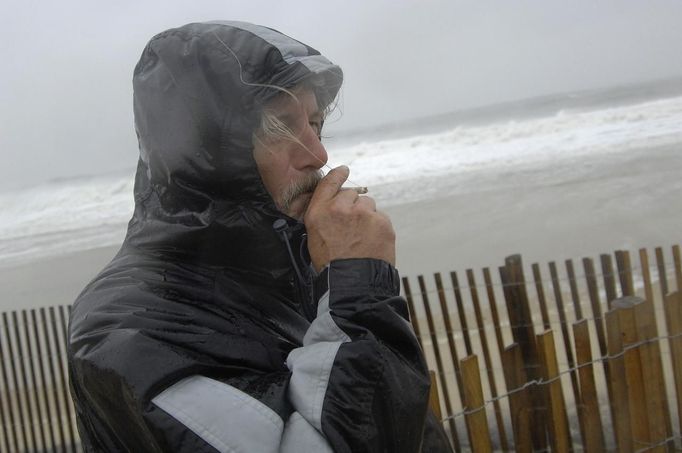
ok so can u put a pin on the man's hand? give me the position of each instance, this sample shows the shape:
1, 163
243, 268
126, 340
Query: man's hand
343, 224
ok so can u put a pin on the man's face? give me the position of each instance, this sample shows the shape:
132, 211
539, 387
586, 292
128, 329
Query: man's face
290, 166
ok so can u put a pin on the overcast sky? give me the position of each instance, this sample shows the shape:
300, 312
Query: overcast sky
66, 92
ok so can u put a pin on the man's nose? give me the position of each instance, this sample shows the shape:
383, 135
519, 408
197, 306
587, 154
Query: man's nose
313, 153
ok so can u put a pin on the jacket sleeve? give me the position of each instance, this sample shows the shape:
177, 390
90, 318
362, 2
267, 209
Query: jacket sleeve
358, 383
360, 377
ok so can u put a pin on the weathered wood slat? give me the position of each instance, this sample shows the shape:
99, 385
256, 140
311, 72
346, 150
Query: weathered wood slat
588, 407
492, 303
520, 405
565, 335
660, 425
436, 351
537, 277
633, 370
599, 325
623, 263
608, 274
501, 432
453, 352
560, 436
621, 406
413, 313
673, 316
662, 275
655, 399
521, 321
573, 284
476, 420
434, 396
462, 313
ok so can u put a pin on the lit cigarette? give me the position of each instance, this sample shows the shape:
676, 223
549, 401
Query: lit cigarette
359, 190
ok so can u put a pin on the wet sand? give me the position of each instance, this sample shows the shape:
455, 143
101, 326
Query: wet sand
546, 211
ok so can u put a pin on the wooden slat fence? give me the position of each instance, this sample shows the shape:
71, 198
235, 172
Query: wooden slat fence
583, 359
555, 358
36, 412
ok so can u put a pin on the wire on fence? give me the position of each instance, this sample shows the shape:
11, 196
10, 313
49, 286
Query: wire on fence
559, 376
556, 322
656, 445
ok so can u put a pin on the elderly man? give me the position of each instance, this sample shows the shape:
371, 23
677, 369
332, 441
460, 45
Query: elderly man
253, 306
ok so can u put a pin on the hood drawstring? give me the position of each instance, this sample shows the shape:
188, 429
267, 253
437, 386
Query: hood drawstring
305, 285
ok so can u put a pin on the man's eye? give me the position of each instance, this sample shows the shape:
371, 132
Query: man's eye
317, 127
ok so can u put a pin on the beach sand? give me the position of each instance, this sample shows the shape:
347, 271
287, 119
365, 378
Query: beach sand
546, 211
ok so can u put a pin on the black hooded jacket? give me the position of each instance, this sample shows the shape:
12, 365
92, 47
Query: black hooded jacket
199, 336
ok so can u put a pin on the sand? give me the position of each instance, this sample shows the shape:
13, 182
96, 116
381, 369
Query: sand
545, 211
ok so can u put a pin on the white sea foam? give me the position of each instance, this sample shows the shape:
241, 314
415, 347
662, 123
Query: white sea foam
75, 215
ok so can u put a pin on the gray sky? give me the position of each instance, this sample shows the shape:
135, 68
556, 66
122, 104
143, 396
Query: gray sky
66, 93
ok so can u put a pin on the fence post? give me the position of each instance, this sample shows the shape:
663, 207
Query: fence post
462, 314
476, 420
575, 296
662, 275
439, 361
558, 422
599, 324
493, 309
616, 323
522, 331
609, 278
519, 401
673, 317
565, 334
625, 273
660, 427
537, 276
633, 371
471, 280
434, 396
449, 330
413, 313
588, 406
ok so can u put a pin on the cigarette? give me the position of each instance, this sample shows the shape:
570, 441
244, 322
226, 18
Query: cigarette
359, 190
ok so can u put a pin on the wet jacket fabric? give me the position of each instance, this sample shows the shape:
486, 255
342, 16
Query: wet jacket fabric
199, 335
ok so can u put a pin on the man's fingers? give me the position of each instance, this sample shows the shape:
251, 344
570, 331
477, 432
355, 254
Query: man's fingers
367, 202
330, 184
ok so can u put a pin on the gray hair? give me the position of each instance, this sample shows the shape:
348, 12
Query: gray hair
271, 127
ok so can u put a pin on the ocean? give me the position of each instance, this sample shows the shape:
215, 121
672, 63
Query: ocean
419, 160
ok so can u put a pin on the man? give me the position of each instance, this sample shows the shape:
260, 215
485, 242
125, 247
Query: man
225, 322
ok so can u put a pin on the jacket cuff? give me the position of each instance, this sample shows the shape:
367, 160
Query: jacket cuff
358, 276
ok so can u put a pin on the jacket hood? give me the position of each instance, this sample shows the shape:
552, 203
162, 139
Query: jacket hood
198, 93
